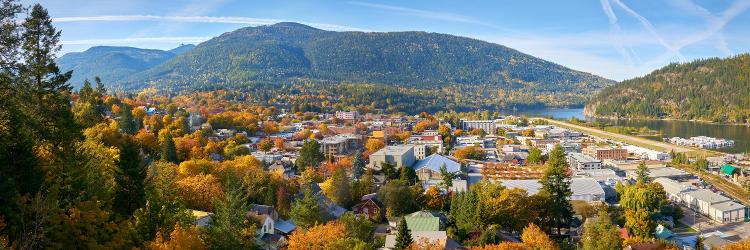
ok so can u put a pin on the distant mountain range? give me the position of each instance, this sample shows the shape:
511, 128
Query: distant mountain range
714, 89
114, 64
286, 52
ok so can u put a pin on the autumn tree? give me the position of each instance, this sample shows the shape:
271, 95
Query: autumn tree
600, 233
318, 237
265, 145
470, 152
535, 156
434, 200
179, 238
373, 145
535, 238
199, 191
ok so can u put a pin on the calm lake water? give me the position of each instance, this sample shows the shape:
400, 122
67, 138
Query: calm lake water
739, 133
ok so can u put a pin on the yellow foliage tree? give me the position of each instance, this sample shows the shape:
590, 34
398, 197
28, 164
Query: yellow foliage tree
373, 145
198, 191
180, 238
534, 238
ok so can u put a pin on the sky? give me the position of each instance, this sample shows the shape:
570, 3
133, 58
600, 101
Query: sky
617, 39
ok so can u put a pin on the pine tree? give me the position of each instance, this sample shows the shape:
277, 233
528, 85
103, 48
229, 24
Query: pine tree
556, 183
229, 228
130, 178
341, 193
169, 150
309, 156
127, 123
447, 177
305, 211
642, 173
403, 236
358, 165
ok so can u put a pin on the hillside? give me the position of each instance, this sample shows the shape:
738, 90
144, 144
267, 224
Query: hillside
113, 64
710, 90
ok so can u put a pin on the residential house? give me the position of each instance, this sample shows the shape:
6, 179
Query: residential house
370, 207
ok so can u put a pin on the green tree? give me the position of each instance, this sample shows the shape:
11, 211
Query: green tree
305, 212
130, 177
163, 208
398, 198
556, 183
600, 233
309, 156
535, 156
407, 174
447, 177
358, 227
389, 170
358, 165
127, 123
642, 173
403, 236
230, 228
340, 188
169, 150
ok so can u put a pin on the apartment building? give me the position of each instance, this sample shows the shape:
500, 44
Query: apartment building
340, 144
400, 156
607, 153
581, 162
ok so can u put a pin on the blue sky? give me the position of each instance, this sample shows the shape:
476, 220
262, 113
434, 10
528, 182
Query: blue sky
618, 39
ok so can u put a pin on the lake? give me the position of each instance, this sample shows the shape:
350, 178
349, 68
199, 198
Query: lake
739, 133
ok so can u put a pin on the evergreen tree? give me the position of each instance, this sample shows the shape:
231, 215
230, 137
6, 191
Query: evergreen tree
341, 188
358, 165
556, 183
407, 174
305, 212
163, 209
130, 178
169, 150
309, 156
229, 228
403, 236
447, 177
642, 173
127, 123
600, 233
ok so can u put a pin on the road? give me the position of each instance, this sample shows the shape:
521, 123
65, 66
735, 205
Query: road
634, 140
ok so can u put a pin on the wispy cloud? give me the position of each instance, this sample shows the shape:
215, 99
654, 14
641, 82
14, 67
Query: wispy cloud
199, 19
426, 14
136, 40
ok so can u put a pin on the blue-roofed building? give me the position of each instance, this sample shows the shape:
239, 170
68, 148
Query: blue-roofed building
429, 168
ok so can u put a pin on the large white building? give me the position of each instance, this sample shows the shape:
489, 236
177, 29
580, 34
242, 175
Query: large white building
347, 115
581, 162
717, 207
584, 189
488, 126
400, 156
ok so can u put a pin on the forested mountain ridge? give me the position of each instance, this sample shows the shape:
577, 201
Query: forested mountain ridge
113, 63
284, 51
709, 90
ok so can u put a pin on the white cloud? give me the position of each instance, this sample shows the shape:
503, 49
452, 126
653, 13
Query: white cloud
198, 19
135, 40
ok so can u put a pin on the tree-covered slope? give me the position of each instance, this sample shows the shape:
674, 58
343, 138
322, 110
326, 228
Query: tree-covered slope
285, 51
112, 64
711, 89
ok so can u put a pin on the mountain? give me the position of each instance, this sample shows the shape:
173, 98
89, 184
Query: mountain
112, 64
182, 49
284, 51
708, 90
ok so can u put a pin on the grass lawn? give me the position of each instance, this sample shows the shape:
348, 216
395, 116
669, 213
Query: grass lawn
679, 227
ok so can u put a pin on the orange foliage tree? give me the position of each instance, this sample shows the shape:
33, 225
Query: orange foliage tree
180, 238
373, 145
318, 237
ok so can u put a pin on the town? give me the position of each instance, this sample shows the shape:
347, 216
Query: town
445, 161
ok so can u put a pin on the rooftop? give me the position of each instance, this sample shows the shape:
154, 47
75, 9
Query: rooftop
394, 150
579, 186
708, 196
435, 161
